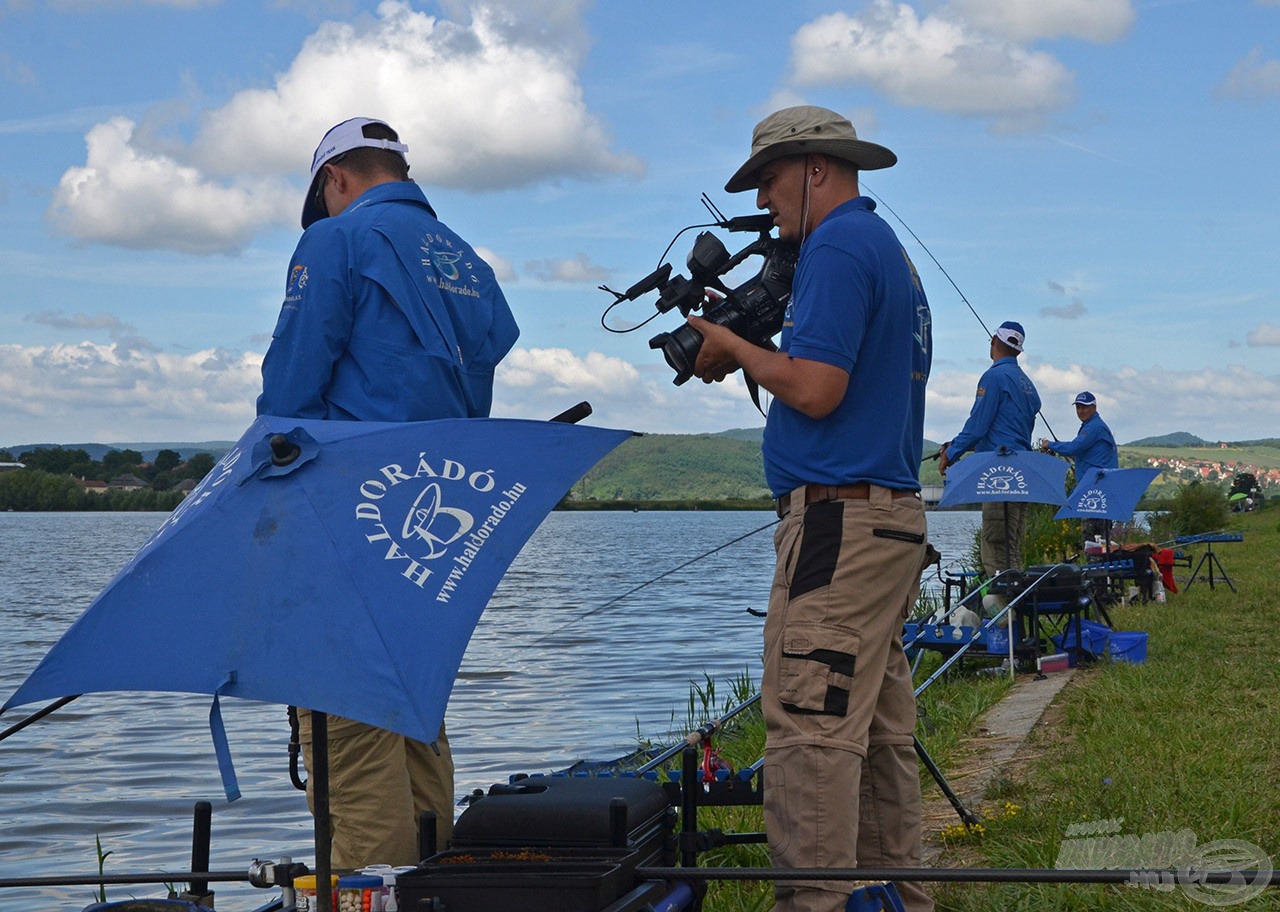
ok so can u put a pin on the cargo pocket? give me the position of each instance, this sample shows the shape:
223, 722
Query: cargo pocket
816, 668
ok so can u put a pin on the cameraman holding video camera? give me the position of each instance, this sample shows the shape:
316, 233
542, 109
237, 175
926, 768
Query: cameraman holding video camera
842, 448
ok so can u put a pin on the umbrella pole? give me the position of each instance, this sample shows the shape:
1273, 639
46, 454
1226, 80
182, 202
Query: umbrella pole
320, 798
1008, 565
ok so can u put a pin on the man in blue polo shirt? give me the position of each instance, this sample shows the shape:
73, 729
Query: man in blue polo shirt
388, 315
1003, 415
842, 447
1094, 447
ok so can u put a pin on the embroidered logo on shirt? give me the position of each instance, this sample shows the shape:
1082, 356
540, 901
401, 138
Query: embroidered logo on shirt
297, 280
441, 265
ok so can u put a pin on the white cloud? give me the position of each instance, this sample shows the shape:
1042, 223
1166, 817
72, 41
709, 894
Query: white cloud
560, 370
1227, 403
538, 383
87, 392
487, 104
1253, 77
576, 269
1266, 333
479, 108
503, 270
936, 62
1018, 20
128, 197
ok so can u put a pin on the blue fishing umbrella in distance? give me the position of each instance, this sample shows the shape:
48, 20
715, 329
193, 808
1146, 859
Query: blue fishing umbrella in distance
1110, 494
343, 570
1005, 476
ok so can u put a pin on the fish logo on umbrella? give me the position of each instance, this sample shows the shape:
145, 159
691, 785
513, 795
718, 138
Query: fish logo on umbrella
435, 524
1002, 479
1092, 501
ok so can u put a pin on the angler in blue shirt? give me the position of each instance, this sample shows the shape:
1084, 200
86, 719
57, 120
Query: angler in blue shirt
1004, 411
1003, 415
388, 315
1094, 447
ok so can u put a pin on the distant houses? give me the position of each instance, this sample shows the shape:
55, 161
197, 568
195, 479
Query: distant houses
127, 483
1214, 471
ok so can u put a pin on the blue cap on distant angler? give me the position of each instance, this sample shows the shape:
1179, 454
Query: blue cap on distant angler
1085, 398
1011, 334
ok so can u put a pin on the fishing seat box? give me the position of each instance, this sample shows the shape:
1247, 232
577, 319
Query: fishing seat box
547, 844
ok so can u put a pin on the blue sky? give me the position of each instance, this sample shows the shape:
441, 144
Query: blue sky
1104, 171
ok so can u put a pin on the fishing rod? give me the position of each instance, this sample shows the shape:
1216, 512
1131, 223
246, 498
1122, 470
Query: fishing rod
660, 576
943, 270
37, 716
701, 734
1150, 877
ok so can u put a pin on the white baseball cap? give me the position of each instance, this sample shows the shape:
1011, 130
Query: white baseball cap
1011, 334
339, 140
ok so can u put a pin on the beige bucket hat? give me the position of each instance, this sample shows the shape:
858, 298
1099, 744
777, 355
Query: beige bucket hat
802, 130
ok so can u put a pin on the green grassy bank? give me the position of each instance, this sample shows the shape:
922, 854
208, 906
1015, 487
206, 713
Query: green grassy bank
1181, 747
1184, 743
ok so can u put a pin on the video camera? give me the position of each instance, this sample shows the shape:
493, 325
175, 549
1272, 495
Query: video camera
753, 310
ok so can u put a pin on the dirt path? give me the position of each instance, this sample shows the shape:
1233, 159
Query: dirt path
986, 757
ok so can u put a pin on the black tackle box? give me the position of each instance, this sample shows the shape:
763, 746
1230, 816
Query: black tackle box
547, 844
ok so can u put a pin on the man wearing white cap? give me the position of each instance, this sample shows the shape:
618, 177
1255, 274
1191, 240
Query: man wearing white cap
1094, 447
1003, 415
388, 315
842, 447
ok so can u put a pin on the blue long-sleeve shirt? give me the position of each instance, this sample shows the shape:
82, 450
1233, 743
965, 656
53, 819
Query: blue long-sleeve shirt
1003, 413
388, 316
1093, 448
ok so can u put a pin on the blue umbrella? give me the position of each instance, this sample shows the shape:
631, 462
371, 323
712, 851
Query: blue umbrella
1004, 475
335, 565
1110, 494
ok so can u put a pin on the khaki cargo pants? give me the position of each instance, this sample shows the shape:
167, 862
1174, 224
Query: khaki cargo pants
1000, 542
379, 782
842, 787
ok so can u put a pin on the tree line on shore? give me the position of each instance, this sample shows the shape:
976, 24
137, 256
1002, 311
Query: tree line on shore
53, 480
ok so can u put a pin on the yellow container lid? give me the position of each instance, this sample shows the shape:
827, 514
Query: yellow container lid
308, 882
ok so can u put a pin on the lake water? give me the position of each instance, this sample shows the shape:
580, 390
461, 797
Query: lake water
574, 658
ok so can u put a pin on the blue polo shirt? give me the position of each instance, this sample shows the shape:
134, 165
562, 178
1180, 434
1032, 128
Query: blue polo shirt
856, 303
1093, 448
388, 316
1003, 414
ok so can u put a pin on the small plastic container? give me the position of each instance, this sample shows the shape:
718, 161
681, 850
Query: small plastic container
383, 902
358, 892
305, 889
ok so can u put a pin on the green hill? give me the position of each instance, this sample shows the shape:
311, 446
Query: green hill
677, 467
724, 466
1176, 439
